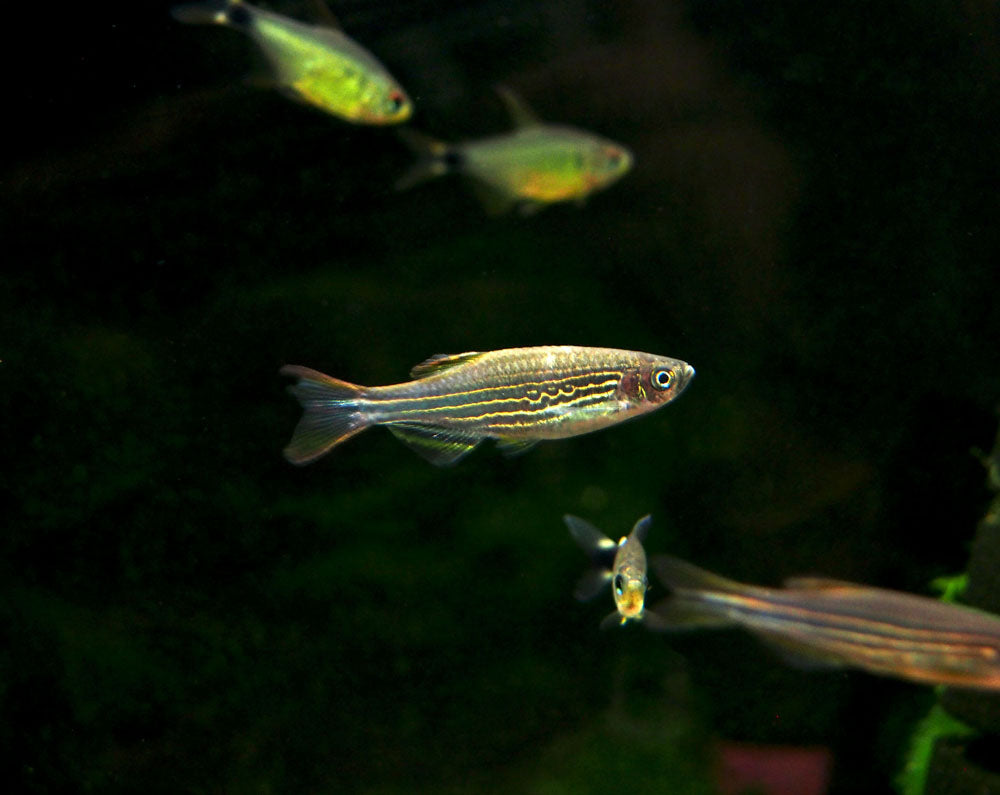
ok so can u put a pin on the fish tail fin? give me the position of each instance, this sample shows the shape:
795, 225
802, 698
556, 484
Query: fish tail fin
434, 158
213, 12
687, 608
331, 413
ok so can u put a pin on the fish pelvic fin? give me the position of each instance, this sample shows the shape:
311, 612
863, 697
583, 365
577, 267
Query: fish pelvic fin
330, 413
685, 608
434, 158
215, 12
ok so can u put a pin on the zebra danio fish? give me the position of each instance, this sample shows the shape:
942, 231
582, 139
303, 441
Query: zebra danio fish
517, 396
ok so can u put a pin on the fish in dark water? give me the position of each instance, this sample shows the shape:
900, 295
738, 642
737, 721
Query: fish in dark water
315, 64
829, 623
622, 564
534, 165
518, 396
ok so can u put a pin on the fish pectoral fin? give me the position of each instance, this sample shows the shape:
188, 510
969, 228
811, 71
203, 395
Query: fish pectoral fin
520, 113
799, 654
614, 619
512, 447
591, 584
440, 446
592, 540
441, 361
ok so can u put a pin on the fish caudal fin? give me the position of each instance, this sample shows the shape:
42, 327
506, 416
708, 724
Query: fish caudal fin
686, 609
330, 413
215, 12
434, 158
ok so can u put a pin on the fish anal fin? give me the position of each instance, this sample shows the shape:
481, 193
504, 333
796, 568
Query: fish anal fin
681, 614
441, 361
799, 654
438, 445
820, 584
679, 575
495, 201
591, 584
520, 113
512, 447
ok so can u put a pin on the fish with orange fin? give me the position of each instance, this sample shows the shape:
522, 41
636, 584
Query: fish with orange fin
535, 165
828, 623
518, 396
315, 64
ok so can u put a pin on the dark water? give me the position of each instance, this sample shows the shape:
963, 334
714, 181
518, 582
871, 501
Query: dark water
811, 222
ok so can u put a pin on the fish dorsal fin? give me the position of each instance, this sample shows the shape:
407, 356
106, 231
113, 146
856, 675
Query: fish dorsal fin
438, 445
323, 15
641, 528
441, 361
820, 584
520, 113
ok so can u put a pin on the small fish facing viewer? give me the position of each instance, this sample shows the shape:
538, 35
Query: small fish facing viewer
315, 64
623, 564
534, 165
829, 623
518, 396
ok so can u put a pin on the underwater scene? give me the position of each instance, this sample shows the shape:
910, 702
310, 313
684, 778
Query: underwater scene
680, 319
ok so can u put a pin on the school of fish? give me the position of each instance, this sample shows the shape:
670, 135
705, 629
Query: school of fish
520, 396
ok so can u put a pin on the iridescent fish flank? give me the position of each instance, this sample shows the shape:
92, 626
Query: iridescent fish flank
534, 165
622, 564
518, 396
315, 64
830, 623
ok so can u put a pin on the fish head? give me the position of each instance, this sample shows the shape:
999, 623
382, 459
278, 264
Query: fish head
654, 383
385, 102
630, 592
607, 162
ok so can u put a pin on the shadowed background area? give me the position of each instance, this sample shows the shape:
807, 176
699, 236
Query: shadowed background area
811, 222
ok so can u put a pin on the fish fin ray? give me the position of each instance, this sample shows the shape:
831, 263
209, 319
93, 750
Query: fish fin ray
441, 361
513, 447
591, 584
518, 110
330, 413
438, 445
434, 158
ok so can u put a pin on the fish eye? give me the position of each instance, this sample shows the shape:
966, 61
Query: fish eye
662, 379
619, 584
396, 101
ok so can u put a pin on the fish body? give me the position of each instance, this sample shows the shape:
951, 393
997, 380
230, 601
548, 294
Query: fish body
831, 623
622, 564
315, 64
518, 396
534, 165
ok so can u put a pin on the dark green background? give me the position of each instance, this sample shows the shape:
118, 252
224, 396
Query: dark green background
811, 222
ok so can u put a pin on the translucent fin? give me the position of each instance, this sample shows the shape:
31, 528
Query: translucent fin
434, 158
323, 15
614, 619
214, 12
641, 528
441, 361
676, 613
527, 208
800, 654
494, 200
591, 584
678, 575
589, 537
520, 113
512, 447
438, 445
331, 413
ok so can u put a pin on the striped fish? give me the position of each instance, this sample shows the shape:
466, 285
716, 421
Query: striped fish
517, 396
622, 564
829, 623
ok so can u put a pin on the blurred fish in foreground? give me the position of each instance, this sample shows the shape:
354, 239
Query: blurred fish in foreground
518, 396
315, 64
623, 564
535, 165
829, 623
